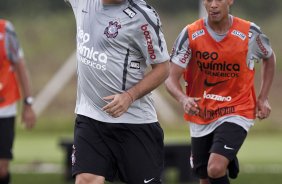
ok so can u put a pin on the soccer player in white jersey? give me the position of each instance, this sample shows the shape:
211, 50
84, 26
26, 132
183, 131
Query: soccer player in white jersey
116, 130
217, 54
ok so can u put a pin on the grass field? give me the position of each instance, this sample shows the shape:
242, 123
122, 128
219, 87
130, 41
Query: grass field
40, 159
244, 178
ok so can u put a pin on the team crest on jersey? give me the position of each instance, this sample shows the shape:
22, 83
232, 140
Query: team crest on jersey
112, 30
130, 12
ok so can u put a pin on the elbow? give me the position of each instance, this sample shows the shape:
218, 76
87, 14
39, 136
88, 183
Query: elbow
270, 63
167, 83
166, 72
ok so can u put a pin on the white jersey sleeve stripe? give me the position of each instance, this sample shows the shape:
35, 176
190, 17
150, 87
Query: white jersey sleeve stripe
157, 27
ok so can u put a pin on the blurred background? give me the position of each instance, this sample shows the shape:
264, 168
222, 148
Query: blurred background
46, 30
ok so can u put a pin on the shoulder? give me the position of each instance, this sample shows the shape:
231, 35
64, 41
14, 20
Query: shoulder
240, 20
255, 28
183, 35
255, 32
67, 2
8, 27
192, 27
144, 12
198, 24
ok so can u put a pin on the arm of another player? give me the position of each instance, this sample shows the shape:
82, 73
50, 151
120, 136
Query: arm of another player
173, 86
268, 70
28, 115
121, 102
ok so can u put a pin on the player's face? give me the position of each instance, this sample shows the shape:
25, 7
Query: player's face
217, 10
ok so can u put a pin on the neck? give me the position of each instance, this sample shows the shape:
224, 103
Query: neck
221, 26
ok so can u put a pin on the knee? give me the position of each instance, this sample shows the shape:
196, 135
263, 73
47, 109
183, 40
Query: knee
3, 170
85, 178
82, 179
216, 170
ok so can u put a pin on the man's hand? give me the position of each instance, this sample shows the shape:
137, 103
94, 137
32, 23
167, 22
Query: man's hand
263, 109
118, 105
190, 105
28, 117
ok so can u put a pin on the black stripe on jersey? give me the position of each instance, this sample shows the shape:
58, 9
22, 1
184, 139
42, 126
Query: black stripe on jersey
13, 44
125, 70
67, 2
254, 28
10, 32
157, 28
185, 37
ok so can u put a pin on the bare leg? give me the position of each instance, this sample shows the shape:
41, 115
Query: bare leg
86, 178
204, 181
4, 171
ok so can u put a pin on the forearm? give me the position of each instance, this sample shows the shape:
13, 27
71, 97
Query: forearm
268, 70
151, 81
173, 84
175, 89
23, 78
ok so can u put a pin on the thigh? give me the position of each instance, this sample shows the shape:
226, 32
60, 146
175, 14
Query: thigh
140, 153
200, 153
7, 135
90, 153
228, 139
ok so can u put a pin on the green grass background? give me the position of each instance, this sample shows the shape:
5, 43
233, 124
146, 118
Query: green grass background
50, 38
260, 157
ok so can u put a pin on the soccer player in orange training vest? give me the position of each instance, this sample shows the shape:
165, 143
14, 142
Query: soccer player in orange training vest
217, 54
13, 75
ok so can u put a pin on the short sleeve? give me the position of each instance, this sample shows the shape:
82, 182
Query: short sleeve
72, 3
181, 52
259, 43
13, 49
150, 39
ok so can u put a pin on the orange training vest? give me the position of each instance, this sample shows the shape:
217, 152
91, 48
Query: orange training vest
218, 73
9, 91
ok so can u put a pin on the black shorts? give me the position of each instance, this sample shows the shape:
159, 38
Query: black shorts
225, 140
7, 135
134, 153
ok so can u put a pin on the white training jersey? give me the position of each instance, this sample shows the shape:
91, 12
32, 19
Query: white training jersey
259, 48
115, 45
